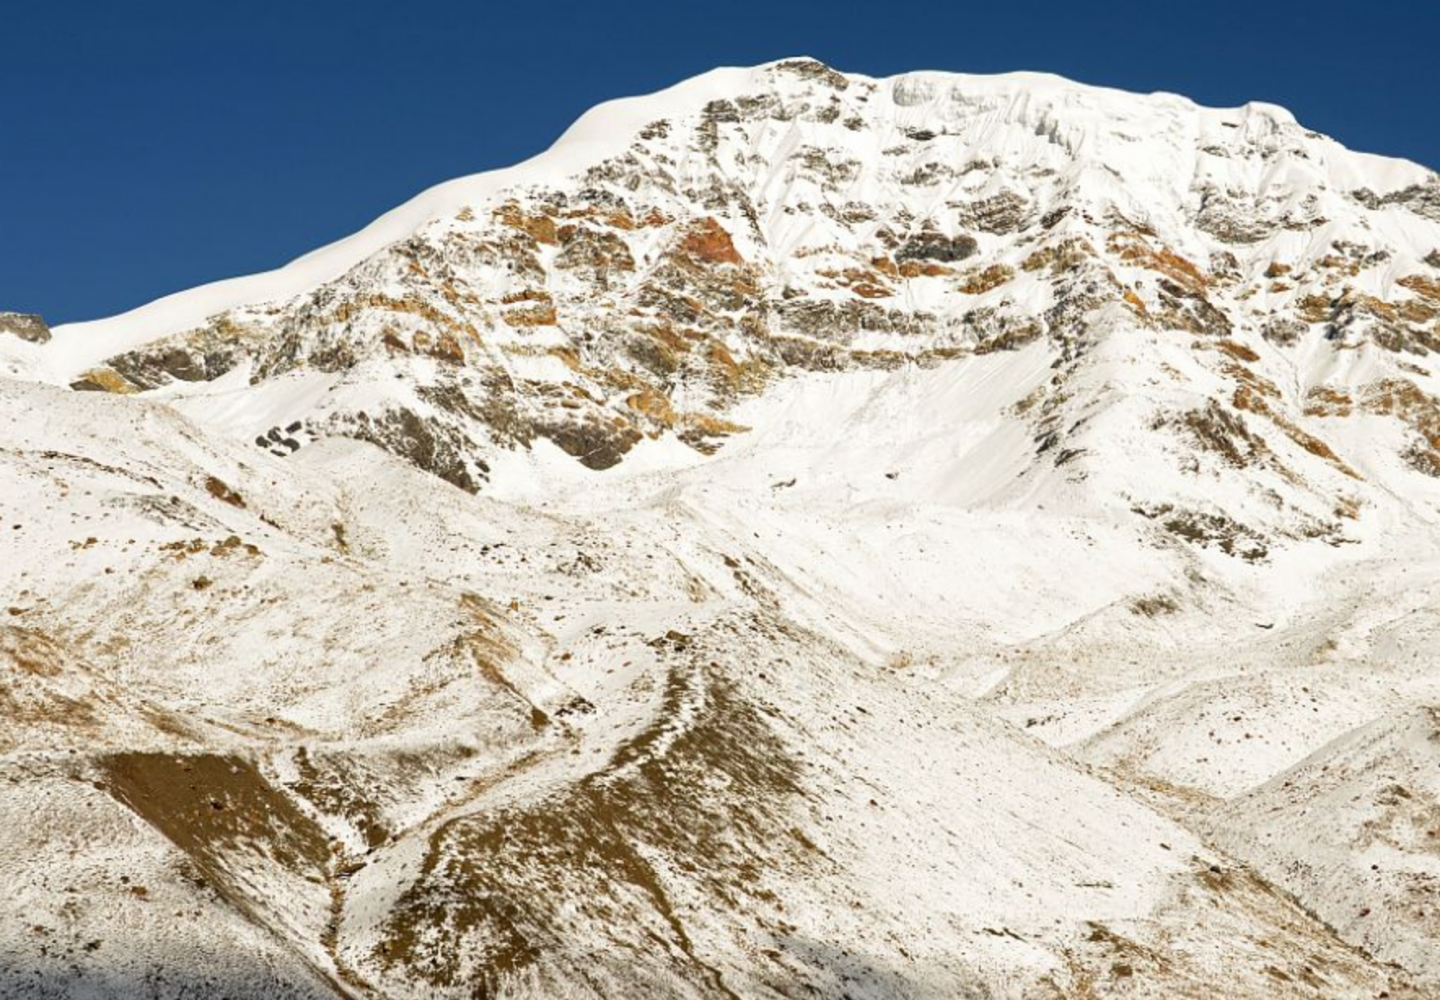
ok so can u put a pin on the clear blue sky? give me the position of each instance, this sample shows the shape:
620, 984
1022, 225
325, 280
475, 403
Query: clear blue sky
150, 145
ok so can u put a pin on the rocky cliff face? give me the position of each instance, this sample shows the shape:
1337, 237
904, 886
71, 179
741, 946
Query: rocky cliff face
804, 534
811, 221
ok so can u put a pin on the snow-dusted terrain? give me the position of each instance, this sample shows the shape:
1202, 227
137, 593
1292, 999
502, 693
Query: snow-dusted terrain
802, 535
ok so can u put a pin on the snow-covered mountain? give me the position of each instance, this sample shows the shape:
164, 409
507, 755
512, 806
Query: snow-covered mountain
802, 534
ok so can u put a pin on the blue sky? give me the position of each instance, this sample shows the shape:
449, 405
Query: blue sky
152, 145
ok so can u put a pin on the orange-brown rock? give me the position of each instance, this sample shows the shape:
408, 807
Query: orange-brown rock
539, 315
1134, 249
924, 269
538, 227
1238, 351
1426, 288
1323, 401
103, 380
870, 290
653, 404
709, 241
1405, 400
983, 281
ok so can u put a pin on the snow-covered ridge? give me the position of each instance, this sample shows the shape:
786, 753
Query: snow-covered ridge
601, 131
1086, 119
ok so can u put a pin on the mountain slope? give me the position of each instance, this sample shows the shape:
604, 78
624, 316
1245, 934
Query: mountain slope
802, 533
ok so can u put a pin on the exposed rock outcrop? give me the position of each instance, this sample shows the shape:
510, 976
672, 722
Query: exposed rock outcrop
26, 326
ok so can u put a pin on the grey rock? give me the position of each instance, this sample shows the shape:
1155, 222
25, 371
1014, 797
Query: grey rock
933, 246
1283, 331
26, 326
1421, 199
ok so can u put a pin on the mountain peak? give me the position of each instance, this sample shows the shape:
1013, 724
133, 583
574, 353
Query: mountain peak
676, 253
1034, 100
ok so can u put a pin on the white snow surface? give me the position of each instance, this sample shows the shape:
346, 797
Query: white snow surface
1093, 662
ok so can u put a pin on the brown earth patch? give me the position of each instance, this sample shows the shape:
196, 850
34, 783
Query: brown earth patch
500, 892
220, 491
